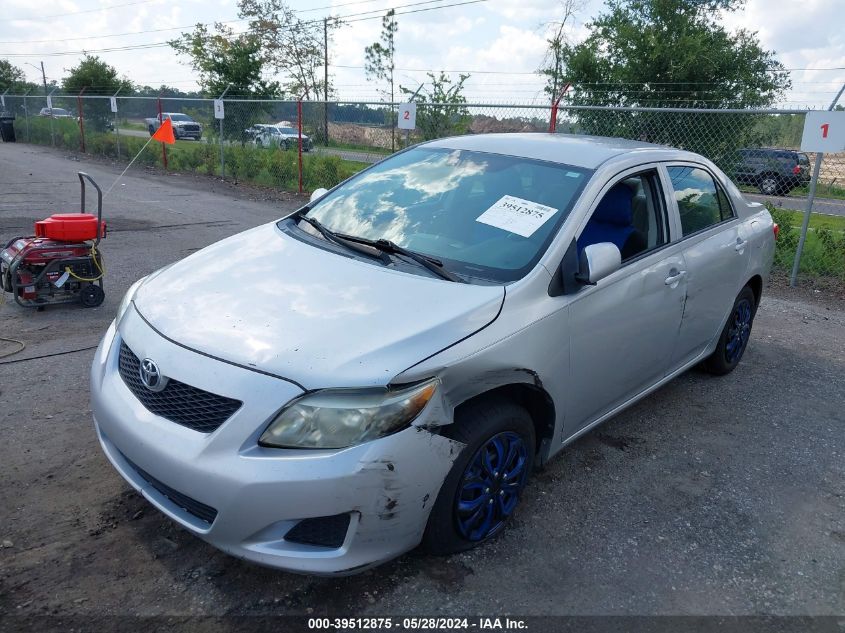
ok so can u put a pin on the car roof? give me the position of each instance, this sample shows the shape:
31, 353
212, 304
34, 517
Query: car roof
571, 149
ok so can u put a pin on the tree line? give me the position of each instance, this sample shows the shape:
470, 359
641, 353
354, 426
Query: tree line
654, 53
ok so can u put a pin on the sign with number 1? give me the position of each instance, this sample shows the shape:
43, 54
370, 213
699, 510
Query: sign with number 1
407, 116
824, 131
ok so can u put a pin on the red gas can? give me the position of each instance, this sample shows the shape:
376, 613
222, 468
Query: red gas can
70, 227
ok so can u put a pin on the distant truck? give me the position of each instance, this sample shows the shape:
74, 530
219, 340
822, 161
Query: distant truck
183, 125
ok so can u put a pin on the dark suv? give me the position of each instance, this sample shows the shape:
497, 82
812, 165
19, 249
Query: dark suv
772, 171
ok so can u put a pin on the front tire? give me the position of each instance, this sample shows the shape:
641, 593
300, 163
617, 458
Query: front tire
735, 335
483, 487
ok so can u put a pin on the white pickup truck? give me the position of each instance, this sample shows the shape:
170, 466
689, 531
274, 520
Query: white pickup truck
183, 125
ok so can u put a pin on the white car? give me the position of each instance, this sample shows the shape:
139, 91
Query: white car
282, 137
385, 366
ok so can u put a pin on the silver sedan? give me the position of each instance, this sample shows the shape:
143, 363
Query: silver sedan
387, 365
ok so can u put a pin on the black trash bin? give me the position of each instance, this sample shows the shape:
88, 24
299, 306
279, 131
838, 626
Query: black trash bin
7, 127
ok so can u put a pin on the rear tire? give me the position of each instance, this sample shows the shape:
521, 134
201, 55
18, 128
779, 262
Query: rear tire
735, 335
152, 130
485, 483
769, 185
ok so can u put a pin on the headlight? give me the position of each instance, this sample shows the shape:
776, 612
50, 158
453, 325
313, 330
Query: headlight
346, 417
127, 298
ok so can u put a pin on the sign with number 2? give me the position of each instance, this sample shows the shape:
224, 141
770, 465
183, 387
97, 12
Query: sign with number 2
407, 116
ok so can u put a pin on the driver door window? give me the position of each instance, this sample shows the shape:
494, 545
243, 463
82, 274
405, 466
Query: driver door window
630, 215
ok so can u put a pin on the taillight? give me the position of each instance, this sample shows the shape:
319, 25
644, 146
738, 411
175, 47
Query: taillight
776, 230
796, 170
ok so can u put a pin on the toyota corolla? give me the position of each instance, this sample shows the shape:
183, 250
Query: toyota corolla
385, 366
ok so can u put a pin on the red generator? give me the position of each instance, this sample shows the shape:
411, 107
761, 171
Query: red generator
60, 263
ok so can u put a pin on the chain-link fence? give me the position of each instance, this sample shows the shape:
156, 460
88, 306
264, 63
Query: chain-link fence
306, 145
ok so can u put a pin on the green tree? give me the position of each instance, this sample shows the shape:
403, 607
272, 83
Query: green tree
553, 63
94, 77
289, 45
13, 78
224, 61
671, 53
380, 62
441, 112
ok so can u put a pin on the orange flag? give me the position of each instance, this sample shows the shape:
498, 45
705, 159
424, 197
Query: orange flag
165, 133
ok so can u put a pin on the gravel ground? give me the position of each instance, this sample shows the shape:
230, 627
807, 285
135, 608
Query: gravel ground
712, 496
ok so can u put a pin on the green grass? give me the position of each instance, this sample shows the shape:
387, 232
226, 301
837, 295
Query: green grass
817, 220
824, 248
358, 148
132, 125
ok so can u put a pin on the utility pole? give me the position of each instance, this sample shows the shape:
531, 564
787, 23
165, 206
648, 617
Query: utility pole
44, 79
326, 81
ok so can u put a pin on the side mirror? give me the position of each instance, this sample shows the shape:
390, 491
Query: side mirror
598, 261
318, 193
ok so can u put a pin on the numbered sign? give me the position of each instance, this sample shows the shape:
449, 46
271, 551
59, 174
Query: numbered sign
824, 132
49, 102
407, 116
113, 101
218, 109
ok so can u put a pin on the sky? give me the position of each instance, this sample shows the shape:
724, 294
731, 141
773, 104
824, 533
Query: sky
500, 43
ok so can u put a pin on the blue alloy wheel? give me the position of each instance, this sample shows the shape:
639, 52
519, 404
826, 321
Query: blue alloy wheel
740, 330
490, 486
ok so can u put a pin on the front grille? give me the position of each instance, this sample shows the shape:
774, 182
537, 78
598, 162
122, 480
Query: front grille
191, 128
321, 531
180, 403
200, 510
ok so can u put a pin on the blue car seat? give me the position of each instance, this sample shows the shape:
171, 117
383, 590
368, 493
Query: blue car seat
613, 221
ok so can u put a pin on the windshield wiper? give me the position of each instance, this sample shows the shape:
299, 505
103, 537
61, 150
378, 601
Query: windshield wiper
331, 236
386, 246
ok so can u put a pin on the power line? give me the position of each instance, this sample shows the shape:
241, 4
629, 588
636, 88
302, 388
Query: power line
240, 20
61, 15
425, 70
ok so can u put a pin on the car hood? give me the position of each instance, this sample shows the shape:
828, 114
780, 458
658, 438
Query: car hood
266, 300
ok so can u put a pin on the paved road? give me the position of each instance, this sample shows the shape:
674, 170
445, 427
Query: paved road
828, 206
712, 496
353, 155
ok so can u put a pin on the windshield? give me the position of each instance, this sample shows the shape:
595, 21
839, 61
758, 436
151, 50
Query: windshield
487, 216
179, 117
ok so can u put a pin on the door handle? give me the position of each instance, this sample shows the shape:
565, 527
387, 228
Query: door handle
740, 245
673, 279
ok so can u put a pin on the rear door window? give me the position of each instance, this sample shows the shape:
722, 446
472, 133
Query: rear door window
701, 202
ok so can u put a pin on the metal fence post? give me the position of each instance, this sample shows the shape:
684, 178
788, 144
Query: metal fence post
222, 154
811, 196
299, 123
26, 116
116, 128
50, 108
163, 145
81, 120
555, 104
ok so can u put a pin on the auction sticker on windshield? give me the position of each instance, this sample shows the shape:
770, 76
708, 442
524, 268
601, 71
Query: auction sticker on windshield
516, 215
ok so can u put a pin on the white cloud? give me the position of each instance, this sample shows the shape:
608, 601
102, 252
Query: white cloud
500, 35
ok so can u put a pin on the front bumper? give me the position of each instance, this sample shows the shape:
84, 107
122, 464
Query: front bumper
386, 486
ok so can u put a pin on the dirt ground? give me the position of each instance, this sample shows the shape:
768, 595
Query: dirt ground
713, 496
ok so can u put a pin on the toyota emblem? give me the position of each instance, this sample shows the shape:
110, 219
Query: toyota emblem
151, 376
